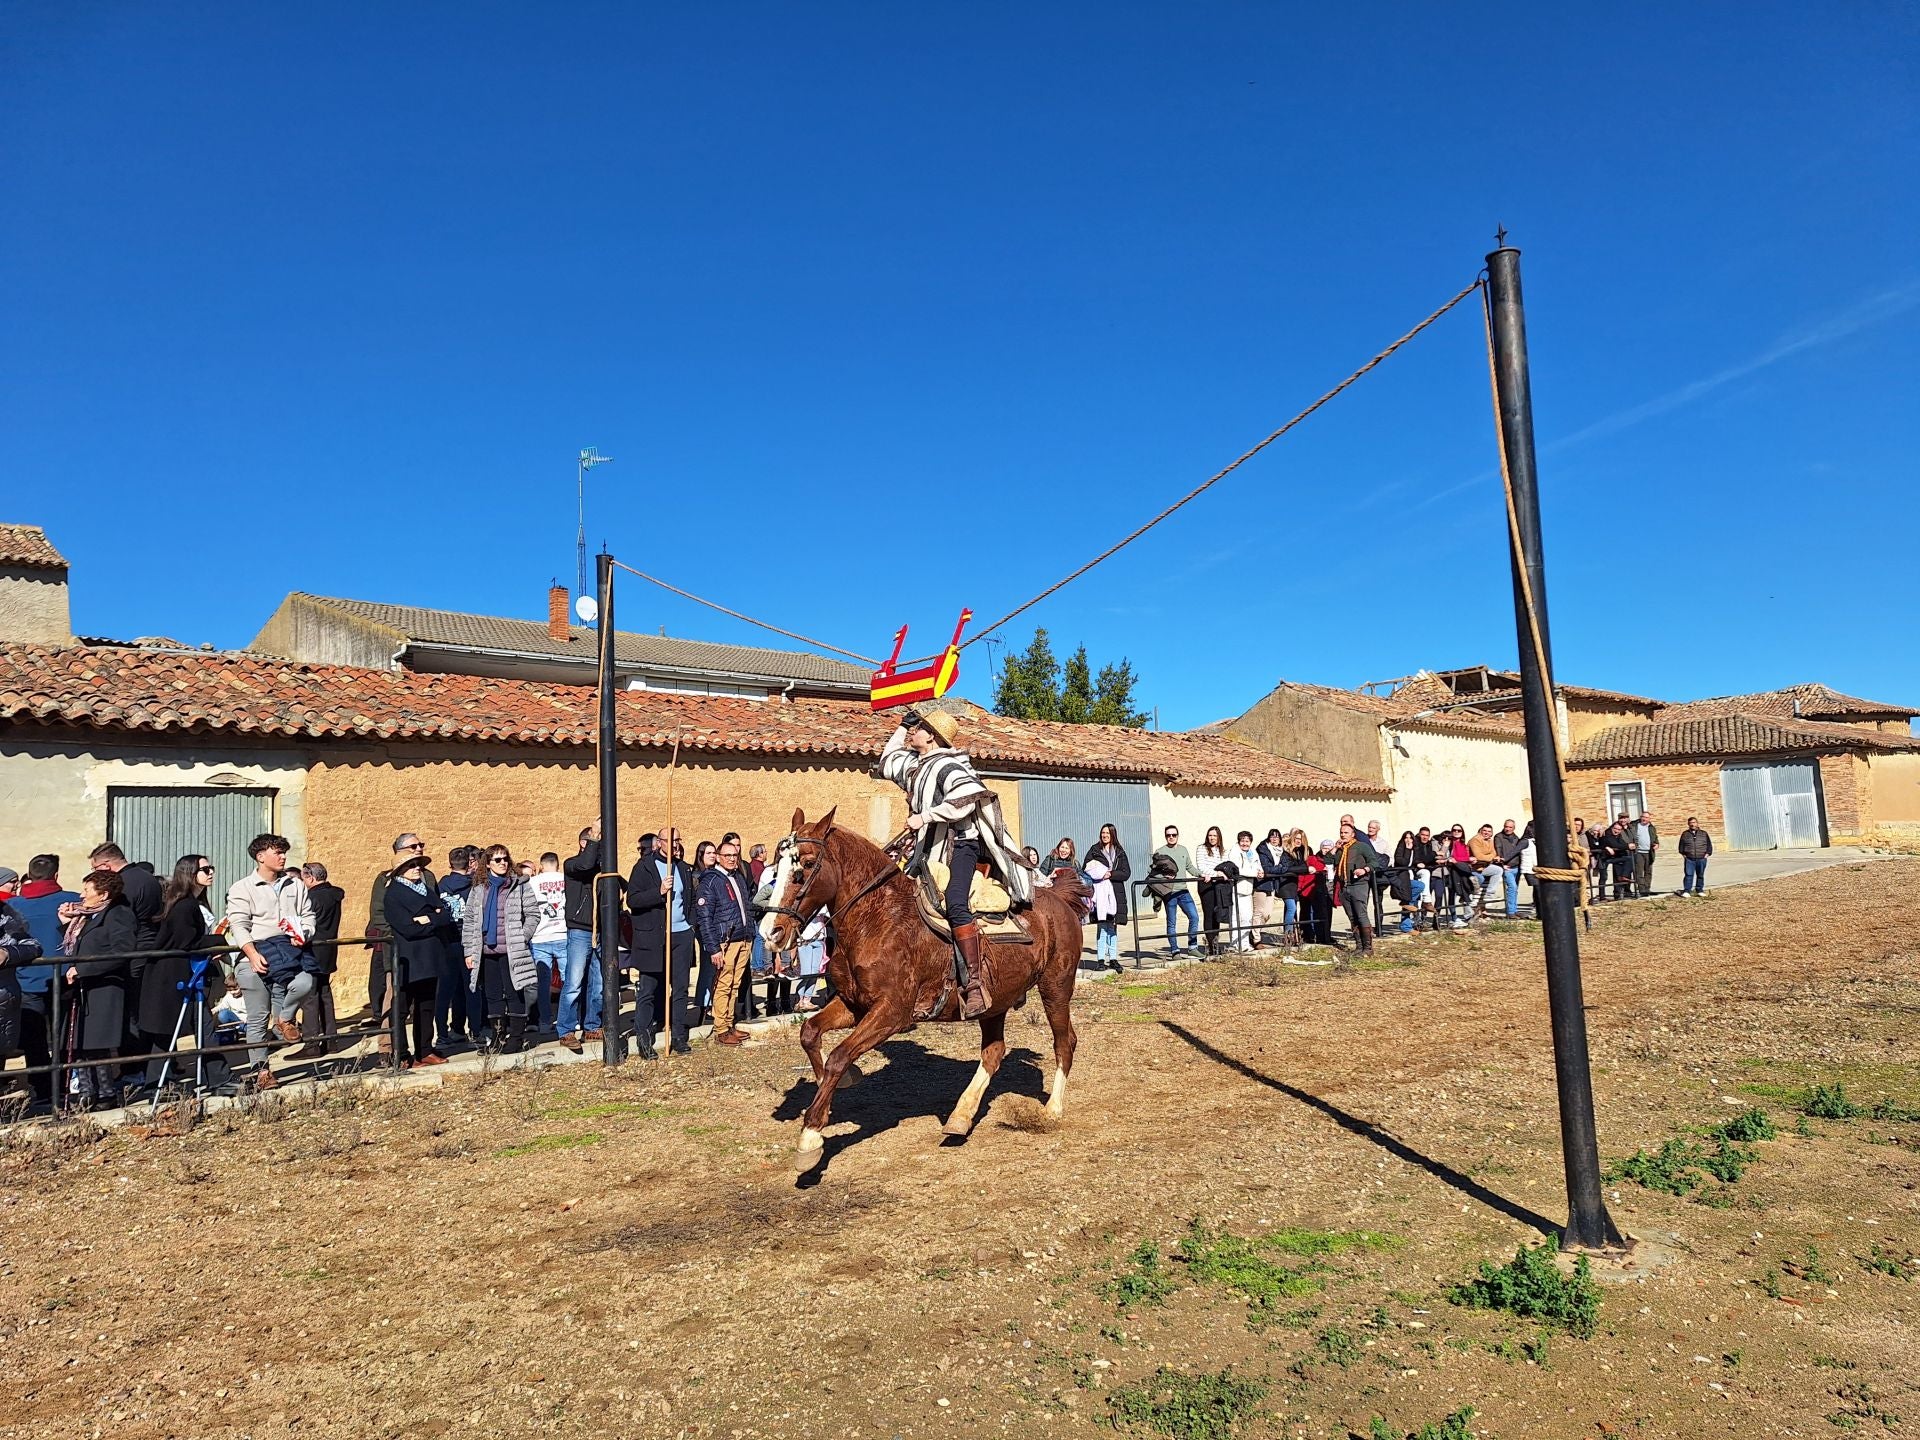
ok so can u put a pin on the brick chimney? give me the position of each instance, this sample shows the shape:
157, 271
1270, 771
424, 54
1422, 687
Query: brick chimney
558, 626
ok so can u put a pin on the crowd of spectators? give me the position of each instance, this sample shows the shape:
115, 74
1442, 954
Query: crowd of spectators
1284, 892
488, 953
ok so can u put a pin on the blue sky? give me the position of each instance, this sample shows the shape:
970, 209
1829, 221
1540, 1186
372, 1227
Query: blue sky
330, 300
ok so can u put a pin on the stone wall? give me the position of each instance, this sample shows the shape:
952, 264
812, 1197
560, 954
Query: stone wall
1848, 792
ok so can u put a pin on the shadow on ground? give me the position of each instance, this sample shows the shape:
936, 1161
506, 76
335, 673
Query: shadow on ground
1374, 1135
915, 1082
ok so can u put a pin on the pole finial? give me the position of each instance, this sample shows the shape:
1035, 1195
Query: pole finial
1500, 237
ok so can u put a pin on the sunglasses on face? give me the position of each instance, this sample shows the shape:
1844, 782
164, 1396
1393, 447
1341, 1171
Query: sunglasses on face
499, 860
203, 870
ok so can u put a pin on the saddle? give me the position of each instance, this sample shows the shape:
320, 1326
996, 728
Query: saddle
992, 906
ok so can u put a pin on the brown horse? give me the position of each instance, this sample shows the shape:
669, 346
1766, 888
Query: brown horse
889, 971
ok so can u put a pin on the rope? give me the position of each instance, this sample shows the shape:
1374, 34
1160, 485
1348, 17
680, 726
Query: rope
724, 610
1569, 876
1112, 549
1222, 474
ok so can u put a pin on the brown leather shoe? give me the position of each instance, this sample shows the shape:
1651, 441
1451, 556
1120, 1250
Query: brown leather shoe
263, 1079
289, 1031
977, 998
593, 1037
432, 1057
731, 1037
572, 1042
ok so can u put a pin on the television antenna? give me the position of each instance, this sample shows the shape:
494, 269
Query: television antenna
589, 458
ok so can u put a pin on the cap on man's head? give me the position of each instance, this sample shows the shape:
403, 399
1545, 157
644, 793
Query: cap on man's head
8, 877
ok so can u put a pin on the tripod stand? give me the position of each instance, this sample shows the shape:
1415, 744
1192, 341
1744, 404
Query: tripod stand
193, 993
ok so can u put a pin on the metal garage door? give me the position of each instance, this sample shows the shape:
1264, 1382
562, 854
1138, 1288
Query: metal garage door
1052, 808
1772, 807
161, 825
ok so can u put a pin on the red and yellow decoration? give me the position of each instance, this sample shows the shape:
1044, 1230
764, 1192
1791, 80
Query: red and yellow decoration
928, 679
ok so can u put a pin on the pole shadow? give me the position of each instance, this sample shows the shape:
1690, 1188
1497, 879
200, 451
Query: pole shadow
1366, 1130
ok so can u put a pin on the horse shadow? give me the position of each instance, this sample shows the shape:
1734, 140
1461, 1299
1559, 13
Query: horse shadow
916, 1083
1459, 1181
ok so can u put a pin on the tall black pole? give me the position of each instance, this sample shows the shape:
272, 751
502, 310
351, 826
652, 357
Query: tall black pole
1588, 1224
607, 888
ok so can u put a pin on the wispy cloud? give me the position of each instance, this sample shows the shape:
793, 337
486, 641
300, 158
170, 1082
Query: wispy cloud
1862, 315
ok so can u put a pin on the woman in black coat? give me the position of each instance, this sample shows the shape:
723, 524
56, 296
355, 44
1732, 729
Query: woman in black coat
101, 931
183, 926
1110, 852
414, 913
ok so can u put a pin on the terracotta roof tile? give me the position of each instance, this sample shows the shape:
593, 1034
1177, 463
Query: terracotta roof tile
28, 546
1813, 701
1713, 737
145, 691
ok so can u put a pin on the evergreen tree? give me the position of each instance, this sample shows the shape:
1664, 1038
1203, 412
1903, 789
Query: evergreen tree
1029, 686
1034, 686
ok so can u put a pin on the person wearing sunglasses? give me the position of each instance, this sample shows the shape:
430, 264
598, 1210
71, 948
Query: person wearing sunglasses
497, 929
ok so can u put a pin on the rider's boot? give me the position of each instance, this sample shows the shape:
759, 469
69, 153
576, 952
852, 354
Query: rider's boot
976, 999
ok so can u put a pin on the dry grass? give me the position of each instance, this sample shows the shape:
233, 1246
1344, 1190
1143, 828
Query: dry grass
597, 1254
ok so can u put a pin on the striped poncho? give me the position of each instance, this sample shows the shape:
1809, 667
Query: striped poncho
942, 786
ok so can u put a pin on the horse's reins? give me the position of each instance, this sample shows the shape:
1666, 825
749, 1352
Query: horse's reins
887, 873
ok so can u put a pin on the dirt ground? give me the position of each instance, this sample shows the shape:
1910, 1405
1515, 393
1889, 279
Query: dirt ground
576, 1253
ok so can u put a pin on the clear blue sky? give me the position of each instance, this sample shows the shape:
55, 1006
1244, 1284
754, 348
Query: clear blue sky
329, 301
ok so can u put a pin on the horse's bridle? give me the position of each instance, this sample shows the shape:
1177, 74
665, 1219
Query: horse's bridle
795, 841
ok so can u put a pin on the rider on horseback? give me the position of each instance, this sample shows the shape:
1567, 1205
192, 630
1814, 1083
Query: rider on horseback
948, 806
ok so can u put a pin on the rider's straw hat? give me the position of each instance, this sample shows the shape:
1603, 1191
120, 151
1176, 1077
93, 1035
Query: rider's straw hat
940, 723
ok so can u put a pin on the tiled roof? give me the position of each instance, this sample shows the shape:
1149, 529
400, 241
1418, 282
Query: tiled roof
1407, 709
1814, 701
28, 546
1723, 736
251, 695
530, 637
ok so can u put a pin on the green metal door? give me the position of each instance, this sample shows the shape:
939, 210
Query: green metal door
162, 824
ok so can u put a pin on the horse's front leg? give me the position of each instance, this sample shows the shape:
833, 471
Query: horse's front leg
834, 1015
876, 1025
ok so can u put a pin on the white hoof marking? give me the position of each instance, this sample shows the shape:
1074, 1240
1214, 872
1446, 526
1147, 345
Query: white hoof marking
1057, 1095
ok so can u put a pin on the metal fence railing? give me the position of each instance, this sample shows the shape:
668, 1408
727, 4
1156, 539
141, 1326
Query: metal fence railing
196, 1038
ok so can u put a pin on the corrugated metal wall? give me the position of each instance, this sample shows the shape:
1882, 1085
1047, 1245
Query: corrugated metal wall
161, 825
1052, 808
1772, 807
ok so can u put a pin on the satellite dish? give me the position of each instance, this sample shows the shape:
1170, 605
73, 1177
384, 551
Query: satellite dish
587, 608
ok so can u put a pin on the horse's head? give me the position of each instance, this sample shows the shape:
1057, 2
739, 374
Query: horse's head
804, 879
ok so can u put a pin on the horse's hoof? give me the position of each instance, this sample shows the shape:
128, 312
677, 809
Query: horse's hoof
849, 1077
813, 1150
960, 1129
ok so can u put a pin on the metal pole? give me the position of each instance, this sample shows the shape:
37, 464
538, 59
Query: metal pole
1589, 1227
607, 887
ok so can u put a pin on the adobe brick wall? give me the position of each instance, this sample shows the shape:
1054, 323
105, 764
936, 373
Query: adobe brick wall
1674, 791
532, 799
1849, 795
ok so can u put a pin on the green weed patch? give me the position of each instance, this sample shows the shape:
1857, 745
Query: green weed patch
1187, 1407
542, 1144
1452, 1427
1144, 1281
1532, 1286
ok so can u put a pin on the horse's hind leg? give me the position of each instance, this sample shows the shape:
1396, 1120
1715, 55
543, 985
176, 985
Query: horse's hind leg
1056, 994
873, 1027
834, 1015
993, 1049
